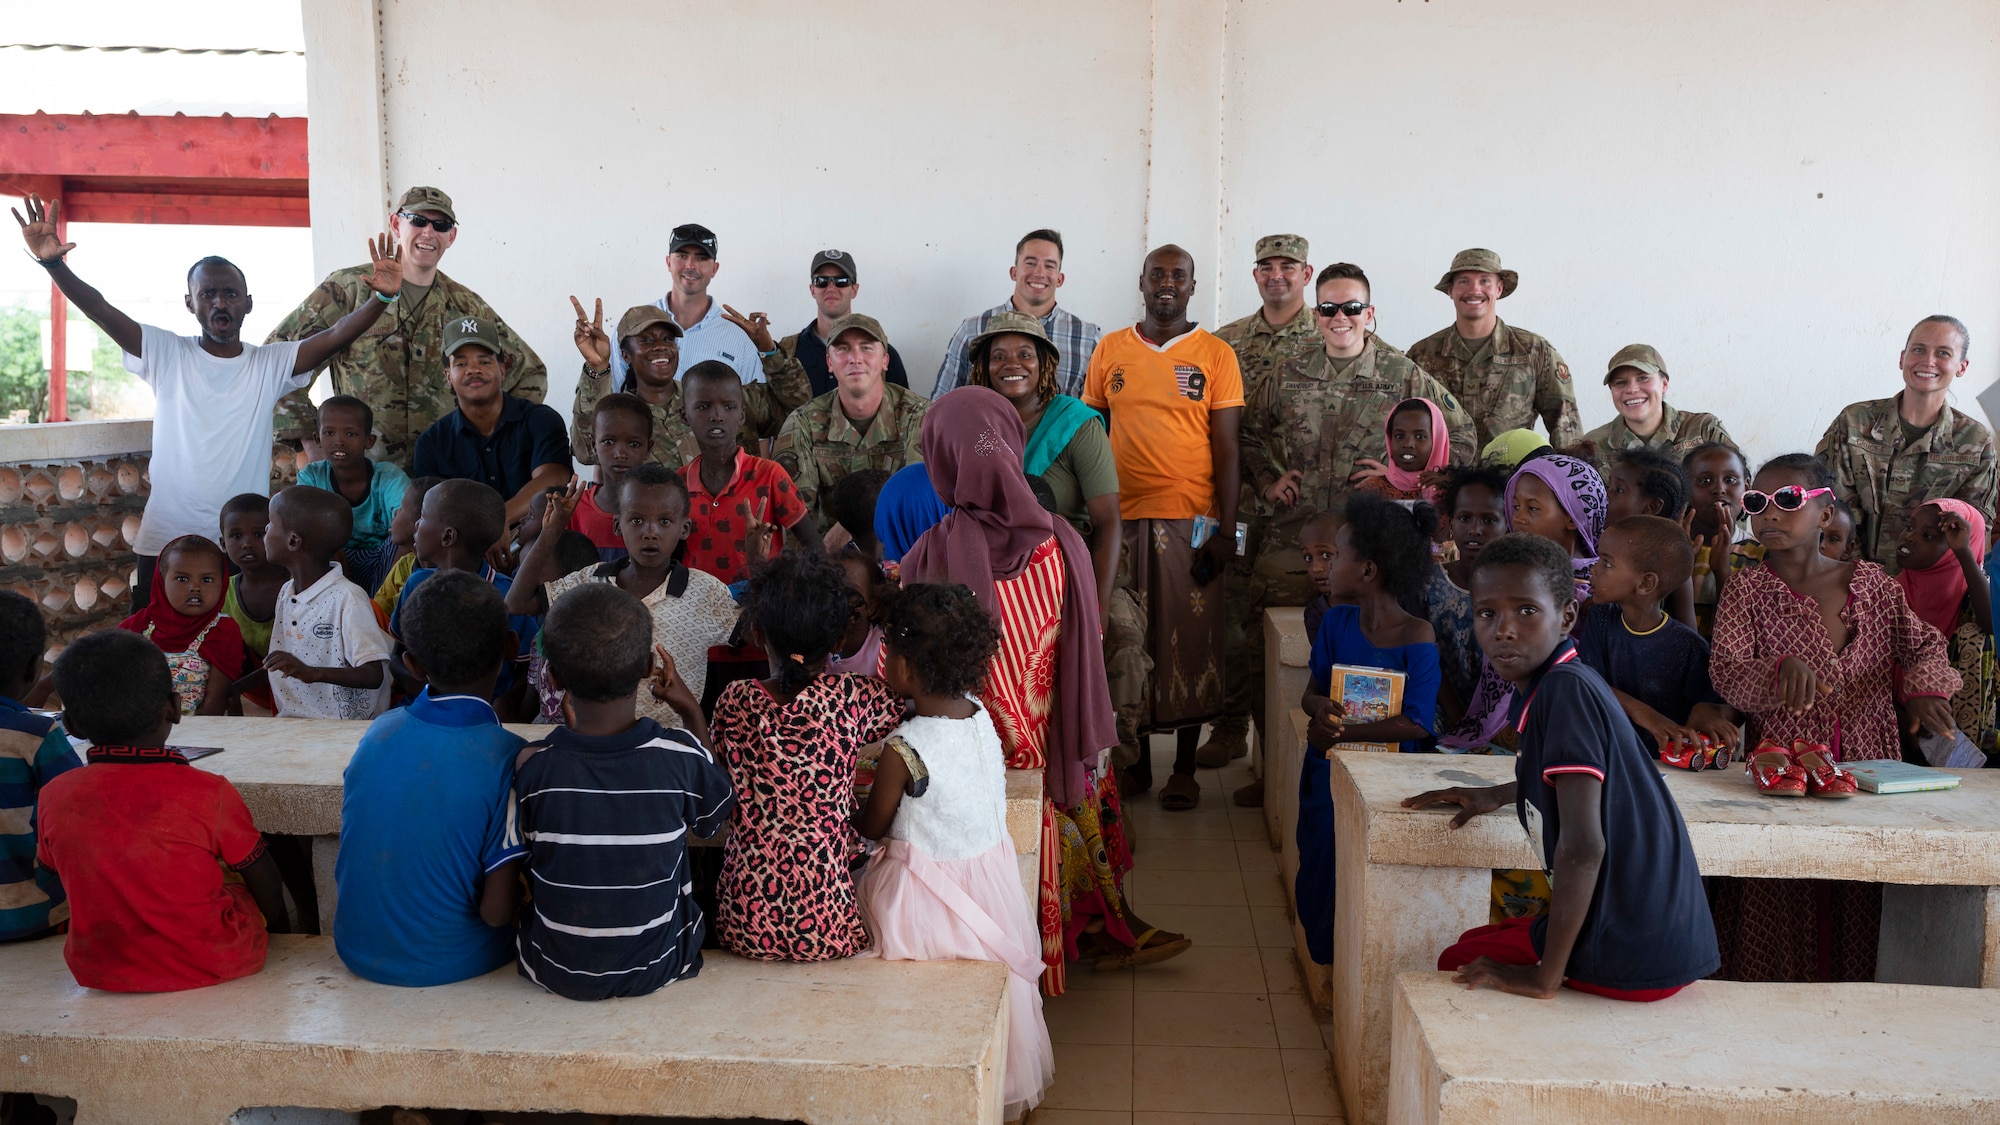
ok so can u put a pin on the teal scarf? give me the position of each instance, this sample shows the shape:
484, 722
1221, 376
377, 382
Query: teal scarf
1061, 418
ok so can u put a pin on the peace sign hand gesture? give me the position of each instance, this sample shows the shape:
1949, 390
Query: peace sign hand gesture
589, 335
561, 504
757, 326
38, 230
386, 258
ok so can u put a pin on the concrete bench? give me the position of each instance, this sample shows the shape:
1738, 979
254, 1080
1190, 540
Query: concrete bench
1287, 652
290, 774
1409, 885
1720, 1051
851, 1041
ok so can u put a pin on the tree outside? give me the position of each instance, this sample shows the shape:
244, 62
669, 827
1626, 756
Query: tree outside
107, 390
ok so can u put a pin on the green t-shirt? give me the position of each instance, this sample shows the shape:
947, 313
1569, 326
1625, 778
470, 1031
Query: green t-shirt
1084, 469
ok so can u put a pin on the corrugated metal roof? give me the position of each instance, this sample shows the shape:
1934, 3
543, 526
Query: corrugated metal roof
68, 78
149, 50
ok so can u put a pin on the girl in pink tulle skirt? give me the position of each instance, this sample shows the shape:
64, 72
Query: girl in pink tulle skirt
945, 884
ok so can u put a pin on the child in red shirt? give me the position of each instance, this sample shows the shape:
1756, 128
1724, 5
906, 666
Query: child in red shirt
740, 506
624, 427
136, 838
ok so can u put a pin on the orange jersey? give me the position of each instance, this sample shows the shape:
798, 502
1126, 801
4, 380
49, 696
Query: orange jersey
1160, 399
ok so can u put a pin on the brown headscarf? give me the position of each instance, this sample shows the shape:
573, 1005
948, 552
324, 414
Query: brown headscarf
972, 442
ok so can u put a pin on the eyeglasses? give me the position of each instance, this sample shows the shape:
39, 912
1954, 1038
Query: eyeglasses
840, 282
442, 226
1788, 499
1351, 308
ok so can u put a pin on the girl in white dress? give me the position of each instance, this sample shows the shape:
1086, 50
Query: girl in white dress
945, 885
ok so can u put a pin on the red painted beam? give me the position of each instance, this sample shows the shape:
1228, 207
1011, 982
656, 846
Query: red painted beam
177, 147
84, 205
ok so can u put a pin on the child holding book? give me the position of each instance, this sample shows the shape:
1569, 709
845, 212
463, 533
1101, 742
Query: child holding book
1378, 555
692, 610
204, 648
945, 885
617, 920
1657, 667
142, 840
1627, 921
429, 846
329, 656
33, 752
791, 742
373, 489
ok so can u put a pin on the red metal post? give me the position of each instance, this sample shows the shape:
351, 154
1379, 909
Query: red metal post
59, 336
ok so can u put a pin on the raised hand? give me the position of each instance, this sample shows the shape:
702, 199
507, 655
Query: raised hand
1957, 534
561, 504
589, 335
38, 230
758, 532
757, 326
386, 259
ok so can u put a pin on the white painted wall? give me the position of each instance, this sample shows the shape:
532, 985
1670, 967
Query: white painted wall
1769, 193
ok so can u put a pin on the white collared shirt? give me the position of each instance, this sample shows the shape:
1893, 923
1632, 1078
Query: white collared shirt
330, 625
712, 337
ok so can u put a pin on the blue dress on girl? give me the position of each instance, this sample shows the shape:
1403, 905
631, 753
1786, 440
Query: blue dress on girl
1341, 641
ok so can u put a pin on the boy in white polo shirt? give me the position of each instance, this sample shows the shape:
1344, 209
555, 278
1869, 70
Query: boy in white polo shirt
329, 658
214, 393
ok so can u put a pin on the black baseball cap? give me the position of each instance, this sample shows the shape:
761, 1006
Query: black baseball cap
692, 234
838, 258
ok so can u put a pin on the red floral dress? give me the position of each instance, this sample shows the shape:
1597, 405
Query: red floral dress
786, 892
1021, 681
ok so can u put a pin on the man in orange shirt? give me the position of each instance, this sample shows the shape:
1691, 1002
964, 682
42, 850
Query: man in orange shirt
1174, 395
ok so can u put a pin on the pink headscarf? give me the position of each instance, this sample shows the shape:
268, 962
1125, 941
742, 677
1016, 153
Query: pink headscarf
1937, 592
1403, 479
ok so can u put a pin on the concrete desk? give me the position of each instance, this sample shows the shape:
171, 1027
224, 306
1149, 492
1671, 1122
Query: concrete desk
289, 773
1287, 652
1408, 885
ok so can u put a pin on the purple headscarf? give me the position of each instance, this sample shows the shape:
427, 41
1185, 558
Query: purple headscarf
1579, 490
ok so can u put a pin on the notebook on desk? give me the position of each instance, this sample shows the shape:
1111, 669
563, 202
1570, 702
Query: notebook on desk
1890, 776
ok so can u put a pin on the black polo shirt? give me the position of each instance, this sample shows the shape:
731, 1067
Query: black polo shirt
529, 436
1648, 924
811, 355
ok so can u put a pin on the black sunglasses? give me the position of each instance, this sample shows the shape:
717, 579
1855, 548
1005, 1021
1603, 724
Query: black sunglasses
1351, 308
442, 226
841, 281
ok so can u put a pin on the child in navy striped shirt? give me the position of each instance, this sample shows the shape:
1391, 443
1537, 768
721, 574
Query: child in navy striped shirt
606, 806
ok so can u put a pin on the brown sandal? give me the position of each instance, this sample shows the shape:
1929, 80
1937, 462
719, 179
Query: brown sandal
1181, 793
1143, 954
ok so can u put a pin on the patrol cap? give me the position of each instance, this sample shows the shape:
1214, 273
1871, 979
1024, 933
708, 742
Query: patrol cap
692, 234
1482, 261
427, 199
638, 318
1016, 322
1639, 356
840, 258
462, 330
861, 321
1291, 246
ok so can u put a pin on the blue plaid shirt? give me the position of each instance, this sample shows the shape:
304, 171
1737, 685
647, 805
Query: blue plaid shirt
1073, 336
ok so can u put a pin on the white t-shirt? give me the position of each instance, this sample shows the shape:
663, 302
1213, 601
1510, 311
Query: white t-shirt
331, 625
211, 429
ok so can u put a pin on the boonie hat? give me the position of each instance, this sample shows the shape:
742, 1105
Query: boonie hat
1639, 356
462, 330
427, 199
692, 234
1483, 261
861, 321
638, 318
1291, 246
1016, 322
840, 258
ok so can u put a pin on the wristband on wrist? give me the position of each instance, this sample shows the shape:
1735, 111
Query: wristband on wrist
48, 263
387, 300
769, 354
589, 370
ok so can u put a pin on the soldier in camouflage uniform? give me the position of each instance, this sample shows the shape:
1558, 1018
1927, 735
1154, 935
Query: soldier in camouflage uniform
1504, 376
1642, 390
866, 423
1892, 455
1282, 335
397, 367
649, 341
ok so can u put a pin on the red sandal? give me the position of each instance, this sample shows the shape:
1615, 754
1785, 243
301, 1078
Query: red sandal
1823, 777
1776, 773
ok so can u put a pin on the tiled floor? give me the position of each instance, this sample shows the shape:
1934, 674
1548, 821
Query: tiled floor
1221, 1034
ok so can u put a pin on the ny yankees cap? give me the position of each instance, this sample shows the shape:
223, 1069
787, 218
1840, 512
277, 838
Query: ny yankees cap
463, 330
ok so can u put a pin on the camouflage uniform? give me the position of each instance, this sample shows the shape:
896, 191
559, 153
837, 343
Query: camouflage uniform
1514, 376
819, 445
397, 367
1677, 436
765, 407
1261, 350
1884, 476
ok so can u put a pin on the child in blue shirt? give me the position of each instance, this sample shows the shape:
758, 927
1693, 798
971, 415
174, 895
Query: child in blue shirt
33, 752
458, 524
1381, 552
373, 488
429, 851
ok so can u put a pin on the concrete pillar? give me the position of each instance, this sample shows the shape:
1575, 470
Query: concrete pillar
1184, 141
344, 142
